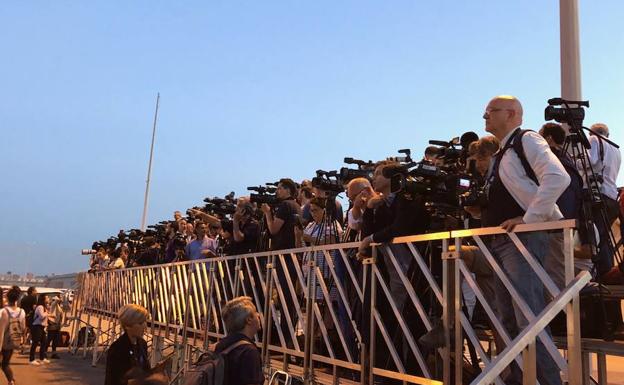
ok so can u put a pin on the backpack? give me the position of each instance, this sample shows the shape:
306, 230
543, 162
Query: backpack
210, 367
14, 335
571, 199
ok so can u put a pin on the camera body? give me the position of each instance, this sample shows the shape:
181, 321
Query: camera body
328, 181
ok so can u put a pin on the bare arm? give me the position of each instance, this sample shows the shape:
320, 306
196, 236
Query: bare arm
210, 219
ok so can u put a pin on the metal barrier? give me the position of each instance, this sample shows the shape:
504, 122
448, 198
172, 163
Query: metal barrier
326, 315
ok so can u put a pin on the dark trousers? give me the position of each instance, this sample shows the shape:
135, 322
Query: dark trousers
53, 338
6, 359
38, 338
605, 249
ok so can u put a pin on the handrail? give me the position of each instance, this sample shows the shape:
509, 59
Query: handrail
529, 334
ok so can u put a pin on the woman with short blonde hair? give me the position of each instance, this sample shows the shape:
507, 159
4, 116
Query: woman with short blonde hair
130, 350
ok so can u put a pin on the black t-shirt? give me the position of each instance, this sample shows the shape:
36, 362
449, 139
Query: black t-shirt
287, 210
243, 365
396, 216
28, 303
251, 231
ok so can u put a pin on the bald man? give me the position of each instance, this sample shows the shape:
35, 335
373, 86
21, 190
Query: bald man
513, 198
359, 191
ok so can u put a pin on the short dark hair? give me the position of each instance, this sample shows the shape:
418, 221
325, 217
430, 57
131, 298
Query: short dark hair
431, 150
290, 185
555, 131
13, 295
31, 290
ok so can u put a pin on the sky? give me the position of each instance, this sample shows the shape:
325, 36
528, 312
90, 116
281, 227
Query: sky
252, 91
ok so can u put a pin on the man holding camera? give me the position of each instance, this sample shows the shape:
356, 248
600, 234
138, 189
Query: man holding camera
513, 198
282, 219
245, 229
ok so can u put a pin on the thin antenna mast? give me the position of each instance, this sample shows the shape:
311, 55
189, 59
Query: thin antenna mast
149, 167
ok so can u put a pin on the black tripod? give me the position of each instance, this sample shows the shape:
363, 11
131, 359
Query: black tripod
594, 209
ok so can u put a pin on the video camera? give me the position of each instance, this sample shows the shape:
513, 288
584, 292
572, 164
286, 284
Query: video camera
328, 181
264, 194
221, 206
560, 110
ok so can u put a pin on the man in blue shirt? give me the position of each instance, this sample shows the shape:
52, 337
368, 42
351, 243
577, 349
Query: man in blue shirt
203, 246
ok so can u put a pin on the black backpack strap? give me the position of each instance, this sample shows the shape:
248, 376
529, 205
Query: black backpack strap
234, 346
519, 149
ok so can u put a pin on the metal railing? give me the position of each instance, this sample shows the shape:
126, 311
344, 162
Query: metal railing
325, 312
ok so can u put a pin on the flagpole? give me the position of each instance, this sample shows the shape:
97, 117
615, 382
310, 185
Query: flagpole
149, 167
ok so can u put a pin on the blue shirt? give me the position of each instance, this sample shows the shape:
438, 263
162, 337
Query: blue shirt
194, 249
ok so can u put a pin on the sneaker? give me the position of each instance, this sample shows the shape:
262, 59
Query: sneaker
45, 361
35, 363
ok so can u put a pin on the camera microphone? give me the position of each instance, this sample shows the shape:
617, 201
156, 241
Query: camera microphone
440, 143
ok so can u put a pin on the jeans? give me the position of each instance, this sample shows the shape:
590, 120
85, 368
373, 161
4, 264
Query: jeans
38, 338
530, 288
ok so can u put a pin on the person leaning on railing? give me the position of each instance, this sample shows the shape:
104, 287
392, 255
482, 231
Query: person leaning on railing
130, 350
512, 199
387, 215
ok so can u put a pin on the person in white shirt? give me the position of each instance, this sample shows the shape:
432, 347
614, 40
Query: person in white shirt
513, 198
39, 336
605, 160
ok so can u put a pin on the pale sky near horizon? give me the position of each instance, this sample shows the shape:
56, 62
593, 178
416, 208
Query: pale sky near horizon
251, 92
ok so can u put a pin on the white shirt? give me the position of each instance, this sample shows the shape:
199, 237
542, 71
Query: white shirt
608, 166
538, 201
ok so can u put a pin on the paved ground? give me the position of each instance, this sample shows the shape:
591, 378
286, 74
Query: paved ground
69, 370
74, 370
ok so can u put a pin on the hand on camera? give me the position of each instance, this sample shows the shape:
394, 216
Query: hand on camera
265, 208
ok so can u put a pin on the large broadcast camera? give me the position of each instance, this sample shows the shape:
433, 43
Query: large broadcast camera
562, 111
365, 170
328, 181
264, 194
445, 184
221, 206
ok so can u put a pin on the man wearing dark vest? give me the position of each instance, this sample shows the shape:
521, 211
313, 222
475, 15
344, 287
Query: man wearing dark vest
513, 198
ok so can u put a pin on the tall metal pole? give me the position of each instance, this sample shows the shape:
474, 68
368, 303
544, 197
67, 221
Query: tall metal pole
570, 51
149, 167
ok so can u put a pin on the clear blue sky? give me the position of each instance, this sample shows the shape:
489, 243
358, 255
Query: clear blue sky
252, 91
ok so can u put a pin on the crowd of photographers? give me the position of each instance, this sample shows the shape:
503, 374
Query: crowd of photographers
510, 177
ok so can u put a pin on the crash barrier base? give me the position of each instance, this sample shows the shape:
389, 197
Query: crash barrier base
318, 305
